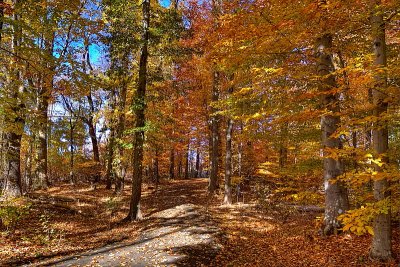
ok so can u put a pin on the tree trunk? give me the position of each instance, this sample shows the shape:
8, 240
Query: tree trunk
215, 142
44, 92
13, 120
240, 152
139, 107
110, 158
382, 239
198, 173
87, 66
41, 170
336, 198
71, 147
93, 138
120, 169
187, 155
228, 163
1, 19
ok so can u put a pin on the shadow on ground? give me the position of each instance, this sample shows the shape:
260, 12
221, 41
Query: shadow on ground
181, 236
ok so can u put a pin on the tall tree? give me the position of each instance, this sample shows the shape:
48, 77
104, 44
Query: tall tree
139, 106
228, 163
382, 239
215, 118
14, 112
336, 198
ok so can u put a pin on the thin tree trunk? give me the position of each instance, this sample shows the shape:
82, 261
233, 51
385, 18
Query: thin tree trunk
119, 166
90, 121
214, 139
382, 239
139, 108
240, 153
110, 157
1, 19
198, 174
71, 147
120, 169
336, 198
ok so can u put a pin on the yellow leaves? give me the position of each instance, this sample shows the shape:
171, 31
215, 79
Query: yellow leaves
266, 173
256, 116
244, 90
358, 221
378, 162
369, 229
267, 71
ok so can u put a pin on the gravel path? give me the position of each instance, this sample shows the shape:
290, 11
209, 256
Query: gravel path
180, 236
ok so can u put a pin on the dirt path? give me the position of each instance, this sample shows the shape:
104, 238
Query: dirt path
183, 235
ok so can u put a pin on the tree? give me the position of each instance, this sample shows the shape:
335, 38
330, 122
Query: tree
14, 112
336, 198
139, 106
382, 239
215, 118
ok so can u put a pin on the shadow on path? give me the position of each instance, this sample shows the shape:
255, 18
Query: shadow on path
179, 236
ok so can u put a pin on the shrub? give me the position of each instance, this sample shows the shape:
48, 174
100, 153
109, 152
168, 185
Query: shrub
12, 211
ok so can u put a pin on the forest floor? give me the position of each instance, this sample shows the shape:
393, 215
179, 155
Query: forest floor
181, 227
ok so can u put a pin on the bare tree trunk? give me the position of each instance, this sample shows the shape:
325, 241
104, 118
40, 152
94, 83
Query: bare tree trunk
139, 107
336, 198
382, 239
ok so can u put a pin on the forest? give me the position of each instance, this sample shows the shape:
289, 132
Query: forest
199, 133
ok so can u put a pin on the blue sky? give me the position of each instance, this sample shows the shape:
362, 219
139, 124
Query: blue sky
96, 52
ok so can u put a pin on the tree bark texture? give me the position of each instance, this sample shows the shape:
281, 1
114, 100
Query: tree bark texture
336, 198
139, 108
382, 239
228, 163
